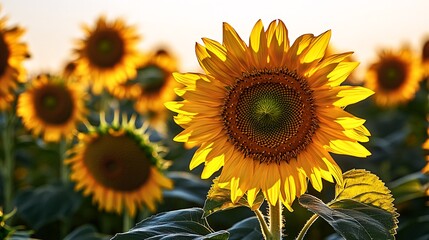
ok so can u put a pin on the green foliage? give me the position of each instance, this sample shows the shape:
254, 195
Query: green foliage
248, 229
362, 208
85, 232
351, 219
46, 204
179, 224
187, 187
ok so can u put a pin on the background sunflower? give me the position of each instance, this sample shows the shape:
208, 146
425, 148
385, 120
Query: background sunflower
107, 54
12, 55
394, 77
52, 107
106, 157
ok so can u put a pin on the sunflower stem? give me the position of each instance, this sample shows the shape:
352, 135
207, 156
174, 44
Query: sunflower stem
128, 221
264, 227
7, 138
64, 172
307, 225
64, 176
276, 221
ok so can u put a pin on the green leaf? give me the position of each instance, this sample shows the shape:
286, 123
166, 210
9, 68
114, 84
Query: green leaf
179, 224
21, 235
409, 187
362, 204
365, 187
248, 229
46, 204
220, 199
187, 187
85, 232
353, 220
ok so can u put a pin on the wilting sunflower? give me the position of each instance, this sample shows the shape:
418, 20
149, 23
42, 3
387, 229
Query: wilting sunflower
52, 107
12, 55
107, 55
270, 113
425, 58
394, 77
119, 166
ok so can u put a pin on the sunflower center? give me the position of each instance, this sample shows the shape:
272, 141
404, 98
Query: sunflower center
391, 74
4, 55
105, 48
53, 104
270, 115
151, 78
117, 162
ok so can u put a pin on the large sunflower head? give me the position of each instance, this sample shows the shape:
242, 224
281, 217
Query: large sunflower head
107, 55
12, 55
269, 112
394, 77
52, 107
118, 165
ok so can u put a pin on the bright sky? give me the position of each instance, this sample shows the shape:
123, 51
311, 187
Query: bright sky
361, 26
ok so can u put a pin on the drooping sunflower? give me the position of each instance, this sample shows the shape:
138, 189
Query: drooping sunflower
52, 107
269, 113
12, 55
394, 77
118, 165
107, 55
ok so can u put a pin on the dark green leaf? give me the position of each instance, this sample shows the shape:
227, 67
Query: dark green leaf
177, 225
85, 232
46, 204
21, 235
352, 219
248, 229
409, 187
187, 187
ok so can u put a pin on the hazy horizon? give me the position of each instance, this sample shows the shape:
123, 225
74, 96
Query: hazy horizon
361, 26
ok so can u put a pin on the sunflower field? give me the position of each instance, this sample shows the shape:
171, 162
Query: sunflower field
269, 137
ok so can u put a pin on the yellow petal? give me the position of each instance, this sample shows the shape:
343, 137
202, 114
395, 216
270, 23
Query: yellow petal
341, 72
317, 48
350, 95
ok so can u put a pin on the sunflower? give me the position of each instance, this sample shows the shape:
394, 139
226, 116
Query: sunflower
107, 55
352, 79
155, 81
12, 55
152, 87
269, 113
119, 166
52, 107
394, 77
